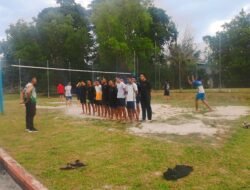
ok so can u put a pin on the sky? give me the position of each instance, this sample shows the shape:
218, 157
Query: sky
197, 17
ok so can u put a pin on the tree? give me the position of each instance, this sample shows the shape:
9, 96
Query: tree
230, 52
184, 58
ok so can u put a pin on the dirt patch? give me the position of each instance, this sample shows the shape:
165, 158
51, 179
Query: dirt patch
183, 121
168, 120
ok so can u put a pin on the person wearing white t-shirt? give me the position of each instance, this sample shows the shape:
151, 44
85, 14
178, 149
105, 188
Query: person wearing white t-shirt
98, 97
68, 94
132, 91
121, 102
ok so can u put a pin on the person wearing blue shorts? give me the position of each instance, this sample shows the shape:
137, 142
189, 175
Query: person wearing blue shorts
200, 96
132, 91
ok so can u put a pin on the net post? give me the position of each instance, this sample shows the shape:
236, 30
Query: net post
48, 78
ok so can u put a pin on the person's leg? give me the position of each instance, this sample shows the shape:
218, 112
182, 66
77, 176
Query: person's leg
196, 105
149, 109
27, 116
143, 107
207, 105
32, 115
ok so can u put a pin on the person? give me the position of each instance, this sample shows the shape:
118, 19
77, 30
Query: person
78, 85
98, 97
105, 99
112, 99
90, 97
197, 83
68, 94
138, 97
30, 97
145, 97
132, 91
167, 89
121, 92
83, 96
60, 91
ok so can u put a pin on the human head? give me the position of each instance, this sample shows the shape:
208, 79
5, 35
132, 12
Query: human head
34, 80
83, 83
69, 83
104, 81
143, 77
97, 83
89, 83
118, 80
134, 79
111, 83
130, 80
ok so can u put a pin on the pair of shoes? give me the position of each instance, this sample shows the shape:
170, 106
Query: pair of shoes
75, 165
34, 130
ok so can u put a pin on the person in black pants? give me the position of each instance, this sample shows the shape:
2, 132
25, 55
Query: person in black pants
145, 89
30, 104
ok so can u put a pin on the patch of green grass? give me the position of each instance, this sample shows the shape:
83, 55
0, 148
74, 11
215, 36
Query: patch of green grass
118, 160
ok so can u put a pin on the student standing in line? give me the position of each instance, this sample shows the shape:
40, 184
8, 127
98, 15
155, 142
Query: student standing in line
138, 97
121, 102
145, 97
112, 100
83, 96
98, 98
105, 99
132, 91
90, 97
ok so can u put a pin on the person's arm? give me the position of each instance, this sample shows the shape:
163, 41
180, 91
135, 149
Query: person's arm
28, 93
189, 81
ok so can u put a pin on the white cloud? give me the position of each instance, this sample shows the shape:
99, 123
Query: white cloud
217, 26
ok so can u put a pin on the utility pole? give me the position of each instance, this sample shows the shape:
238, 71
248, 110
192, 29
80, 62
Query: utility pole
180, 75
20, 77
134, 63
69, 72
155, 59
48, 78
220, 85
1, 88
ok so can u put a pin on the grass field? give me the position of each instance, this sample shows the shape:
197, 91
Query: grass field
118, 160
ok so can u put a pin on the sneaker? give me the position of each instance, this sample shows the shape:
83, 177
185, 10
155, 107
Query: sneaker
34, 130
27, 130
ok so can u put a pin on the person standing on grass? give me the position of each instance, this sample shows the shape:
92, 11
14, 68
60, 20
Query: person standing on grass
90, 97
83, 96
98, 98
68, 94
167, 89
145, 97
105, 98
197, 83
60, 91
121, 102
112, 100
138, 97
132, 91
30, 104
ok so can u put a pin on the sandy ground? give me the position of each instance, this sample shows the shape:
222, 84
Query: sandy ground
170, 120
183, 121
6, 182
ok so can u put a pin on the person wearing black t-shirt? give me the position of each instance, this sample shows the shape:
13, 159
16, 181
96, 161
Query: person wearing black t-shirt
105, 98
83, 95
90, 97
112, 100
145, 89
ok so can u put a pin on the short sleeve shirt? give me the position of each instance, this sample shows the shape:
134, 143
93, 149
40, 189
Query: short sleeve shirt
131, 92
121, 87
198, 84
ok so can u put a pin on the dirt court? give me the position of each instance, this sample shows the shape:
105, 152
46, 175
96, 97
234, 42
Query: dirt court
168, 120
